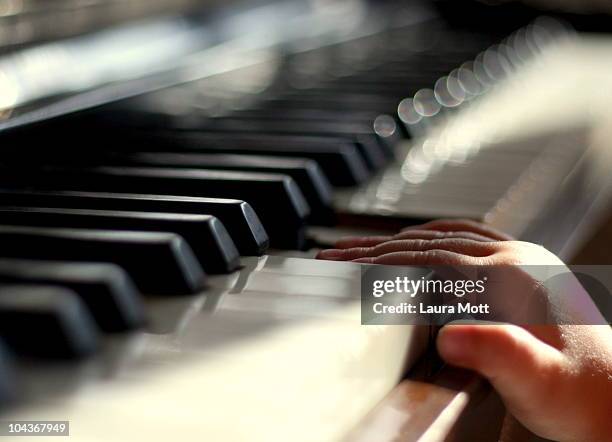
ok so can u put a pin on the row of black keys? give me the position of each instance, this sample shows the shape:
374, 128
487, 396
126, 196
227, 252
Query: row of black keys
287, 179
52, 208
67, 274
151, 240
154, 253
59, 310
150, 243
158, 242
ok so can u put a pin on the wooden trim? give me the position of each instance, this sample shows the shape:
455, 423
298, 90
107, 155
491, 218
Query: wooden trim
451, 405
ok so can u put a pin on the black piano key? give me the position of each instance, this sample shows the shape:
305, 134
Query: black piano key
330, 102
306, 173
373, 151
237, 216
276, 198
339, 159
390, 134
371, 148
159, 263
46, 321
106, 289
205, 234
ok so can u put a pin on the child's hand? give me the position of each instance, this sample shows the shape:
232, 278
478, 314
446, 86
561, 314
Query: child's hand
442, 242
555, 379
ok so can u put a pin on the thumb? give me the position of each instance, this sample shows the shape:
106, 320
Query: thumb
520, 367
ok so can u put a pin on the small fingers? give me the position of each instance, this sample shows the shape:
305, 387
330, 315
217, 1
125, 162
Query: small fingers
457, 245
446, 225
426, 258
371, 241
434, 234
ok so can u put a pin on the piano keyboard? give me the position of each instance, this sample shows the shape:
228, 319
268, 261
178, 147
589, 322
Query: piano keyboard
155, 271
218, 333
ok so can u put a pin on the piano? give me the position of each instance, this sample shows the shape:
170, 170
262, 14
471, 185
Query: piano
169, 170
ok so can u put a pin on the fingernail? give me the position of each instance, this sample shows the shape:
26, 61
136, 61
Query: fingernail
453, 345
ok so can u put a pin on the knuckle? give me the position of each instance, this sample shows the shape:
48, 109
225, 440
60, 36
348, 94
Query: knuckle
420, 244
364, 251
386, 247
434, 256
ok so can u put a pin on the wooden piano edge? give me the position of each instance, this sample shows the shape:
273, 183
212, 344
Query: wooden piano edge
434, 402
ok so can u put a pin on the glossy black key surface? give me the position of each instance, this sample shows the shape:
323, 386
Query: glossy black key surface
237, 216
306, 173
390, 133
159, 263
46, 321
339, 158
205, 234
372, 149
276, 198
106, 289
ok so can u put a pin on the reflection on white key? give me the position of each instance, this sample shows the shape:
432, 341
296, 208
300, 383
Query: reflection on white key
237, 375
